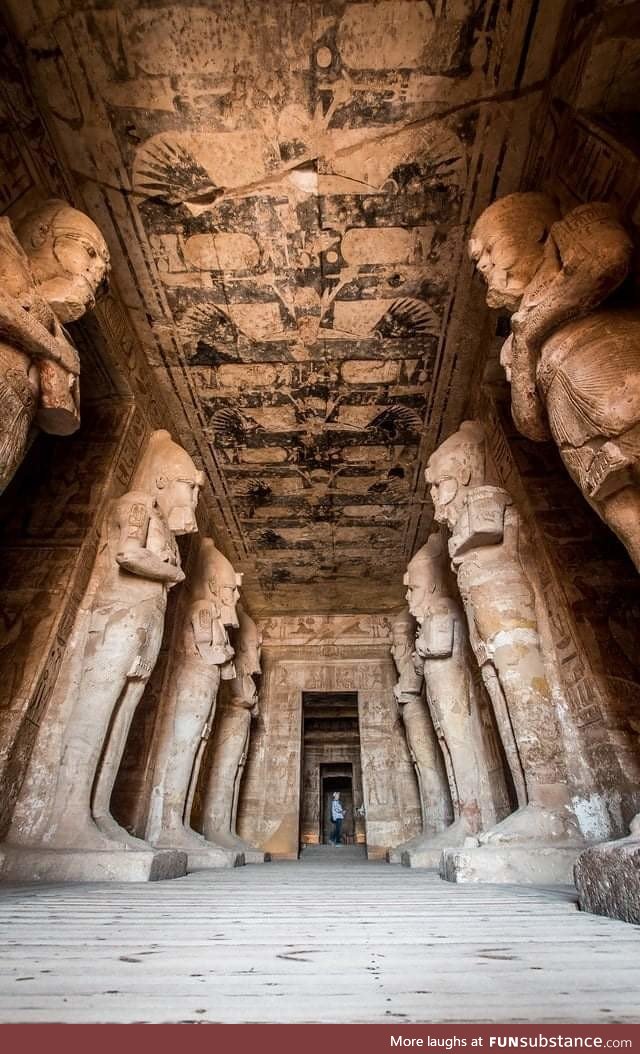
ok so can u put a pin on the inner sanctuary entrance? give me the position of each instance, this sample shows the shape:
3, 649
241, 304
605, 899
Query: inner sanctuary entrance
331, 762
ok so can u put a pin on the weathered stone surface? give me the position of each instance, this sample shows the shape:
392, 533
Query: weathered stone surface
114, 647
231, 737
574, 370
25, 864
201, 654
607, 878
489, 549
523, 865
435, 799
50, 274
458, 707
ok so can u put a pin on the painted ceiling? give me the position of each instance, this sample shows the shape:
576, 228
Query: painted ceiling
286, 189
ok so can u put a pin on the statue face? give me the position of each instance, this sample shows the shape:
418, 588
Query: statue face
228, 596
447, 493
507, 269
178, 499
69, 258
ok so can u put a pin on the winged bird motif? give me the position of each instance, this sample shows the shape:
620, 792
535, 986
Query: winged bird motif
229, 426
408, 317
396, 420
171, 173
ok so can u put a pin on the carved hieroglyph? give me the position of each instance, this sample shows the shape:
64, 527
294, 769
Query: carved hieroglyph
574, 370
231, 744
455, 699
201, 655
421, 738
117, 642
51, 270
488, 546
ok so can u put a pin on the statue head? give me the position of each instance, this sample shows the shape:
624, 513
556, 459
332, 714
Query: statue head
224, 585
248, 644
425, 575
403, 636
68, 256
167, 471
507, 244
457, 465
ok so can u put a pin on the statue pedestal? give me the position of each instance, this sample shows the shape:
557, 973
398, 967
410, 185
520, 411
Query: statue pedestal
214, 856
421, 856
516, 864
24, 864
607, 878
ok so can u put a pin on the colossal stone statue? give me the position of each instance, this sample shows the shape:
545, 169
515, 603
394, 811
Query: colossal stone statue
66, 829
574, 370
491, 557
231, 744
435, 800
50, 273
456, 703
201, 656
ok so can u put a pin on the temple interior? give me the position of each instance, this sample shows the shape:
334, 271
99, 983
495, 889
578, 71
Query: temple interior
319, 508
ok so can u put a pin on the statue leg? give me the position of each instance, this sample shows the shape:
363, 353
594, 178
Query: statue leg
231, 736
72, 824
194, 693
505, 730
109, 766
547, 818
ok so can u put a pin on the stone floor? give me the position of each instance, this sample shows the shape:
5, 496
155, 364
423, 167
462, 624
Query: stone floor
331, 938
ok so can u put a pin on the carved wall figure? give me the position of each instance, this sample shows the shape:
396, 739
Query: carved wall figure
51, 271
231, 744
478, 787
201, 656
117, 643
488, 546
435, 799
574, 370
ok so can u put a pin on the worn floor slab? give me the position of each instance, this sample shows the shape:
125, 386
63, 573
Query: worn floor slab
332, 938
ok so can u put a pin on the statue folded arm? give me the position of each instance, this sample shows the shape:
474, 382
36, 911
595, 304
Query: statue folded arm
133, 517
20, 328
586, 257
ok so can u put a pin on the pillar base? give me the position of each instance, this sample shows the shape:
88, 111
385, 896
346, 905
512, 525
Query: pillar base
214, 856
520, 865
26, 864
607, 878
422, 856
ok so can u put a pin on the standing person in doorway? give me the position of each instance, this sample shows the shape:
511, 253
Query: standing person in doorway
337, 816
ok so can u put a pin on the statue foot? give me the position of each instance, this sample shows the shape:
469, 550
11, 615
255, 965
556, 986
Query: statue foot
117, 837
545, 825
82, 835
181, 837
454, 834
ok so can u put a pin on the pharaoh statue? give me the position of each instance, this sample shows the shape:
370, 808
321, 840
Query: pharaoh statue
456, 702
201, 657
573, 365
494, 565
231, 744
51, 271
113, 652
435, 801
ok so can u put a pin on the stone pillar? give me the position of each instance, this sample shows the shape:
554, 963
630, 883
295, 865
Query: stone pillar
202, 655
435, 800
456, 703
493, 563
231, 745
62, 827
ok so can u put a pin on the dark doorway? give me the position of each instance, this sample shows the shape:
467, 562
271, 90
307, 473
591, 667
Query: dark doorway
331, 762
336, 778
